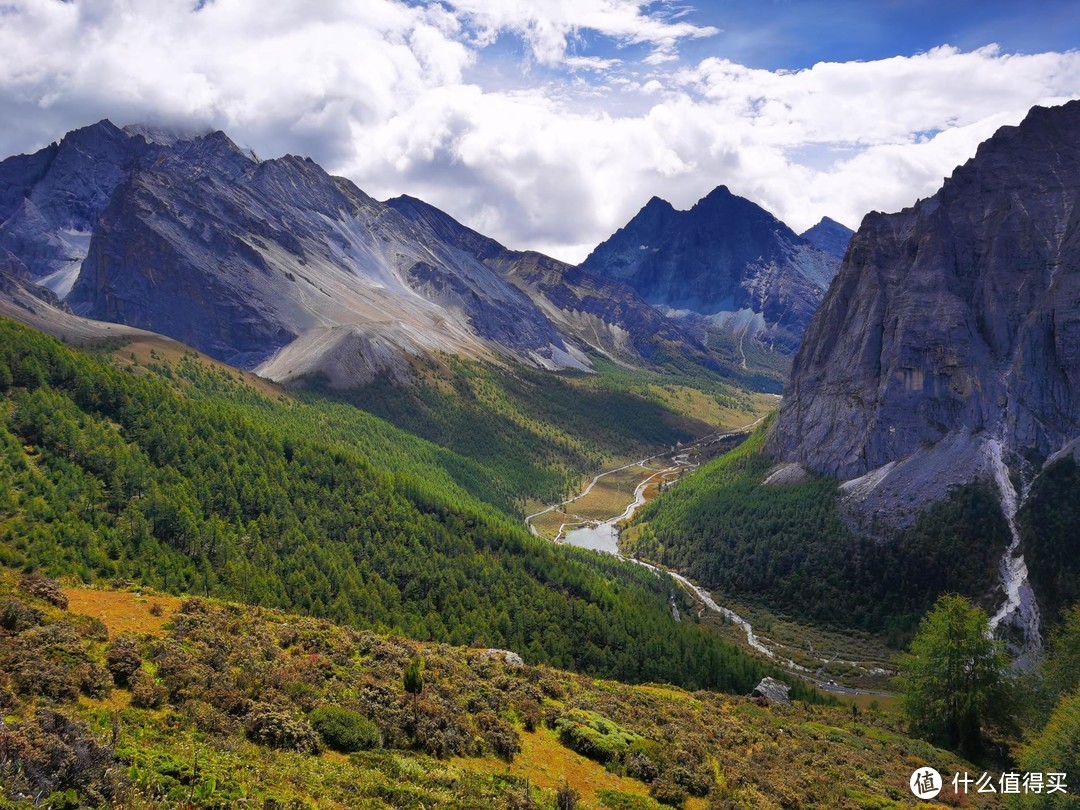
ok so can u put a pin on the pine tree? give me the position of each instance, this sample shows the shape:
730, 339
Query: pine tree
955, 676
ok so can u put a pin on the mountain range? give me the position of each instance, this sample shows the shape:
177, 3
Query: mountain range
276, 266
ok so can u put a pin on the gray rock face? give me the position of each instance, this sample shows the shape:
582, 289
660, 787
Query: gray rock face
51, 200
278, 266
829, 236
958, 317
732, 269
594, 311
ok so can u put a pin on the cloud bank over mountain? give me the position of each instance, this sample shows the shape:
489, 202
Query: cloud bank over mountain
544, 125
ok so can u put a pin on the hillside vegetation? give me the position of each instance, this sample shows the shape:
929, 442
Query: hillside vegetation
180, 478
225, 704
539, 432
789, 547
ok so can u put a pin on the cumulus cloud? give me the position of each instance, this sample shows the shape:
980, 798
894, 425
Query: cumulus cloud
414, 98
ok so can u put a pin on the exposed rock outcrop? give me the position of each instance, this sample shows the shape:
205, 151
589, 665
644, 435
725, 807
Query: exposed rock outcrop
773, 691
958, 316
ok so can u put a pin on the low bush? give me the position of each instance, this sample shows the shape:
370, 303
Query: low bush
280, 727
123, 658
343, 729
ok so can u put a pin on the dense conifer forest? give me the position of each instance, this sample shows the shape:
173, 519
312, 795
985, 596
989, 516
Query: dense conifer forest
790, 547
178, 477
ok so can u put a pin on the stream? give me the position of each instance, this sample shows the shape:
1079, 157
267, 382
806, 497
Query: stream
1019, 608
604, 537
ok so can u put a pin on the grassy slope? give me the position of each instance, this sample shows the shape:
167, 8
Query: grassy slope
217, 668
539, 432
789, 547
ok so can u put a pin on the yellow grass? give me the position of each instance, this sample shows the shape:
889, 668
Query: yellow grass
172, 352
122, 611
701, 406
545, 762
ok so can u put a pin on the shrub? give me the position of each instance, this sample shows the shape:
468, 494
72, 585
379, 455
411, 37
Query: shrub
44, 588
344, 730
146, 692
51, 754
280, 727
531, 714
16, 615
668, 792
566, 798
499, 734
123, 658
594, 736
39, 668
95, 681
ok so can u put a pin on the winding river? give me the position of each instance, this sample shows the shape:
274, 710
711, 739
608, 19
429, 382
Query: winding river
604, 537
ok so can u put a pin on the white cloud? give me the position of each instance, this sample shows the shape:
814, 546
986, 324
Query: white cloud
548, 26
596, 63
408, 99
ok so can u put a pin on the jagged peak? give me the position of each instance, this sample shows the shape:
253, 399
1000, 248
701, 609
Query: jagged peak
657, 202
104, 128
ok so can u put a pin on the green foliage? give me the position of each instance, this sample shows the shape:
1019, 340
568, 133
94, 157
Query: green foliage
343, 729
617, 800
185, 480
281, 727
594, 736
537, 432
1055, 750
1061, 666
413, 676
955, 676
1047, 524
789, 547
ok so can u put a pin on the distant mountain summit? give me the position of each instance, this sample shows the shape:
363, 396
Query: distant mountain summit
731, 267
277, 266
830, 236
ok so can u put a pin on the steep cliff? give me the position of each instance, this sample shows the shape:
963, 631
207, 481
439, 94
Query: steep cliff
948, 347
958, 317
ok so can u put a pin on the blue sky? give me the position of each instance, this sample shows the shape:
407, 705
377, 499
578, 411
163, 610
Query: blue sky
793, 34
548, 123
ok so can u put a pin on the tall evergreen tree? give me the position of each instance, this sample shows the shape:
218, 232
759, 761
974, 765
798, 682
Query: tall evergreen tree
955, 677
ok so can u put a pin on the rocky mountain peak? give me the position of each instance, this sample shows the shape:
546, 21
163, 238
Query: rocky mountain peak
830, 236
953, 322
739, 275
